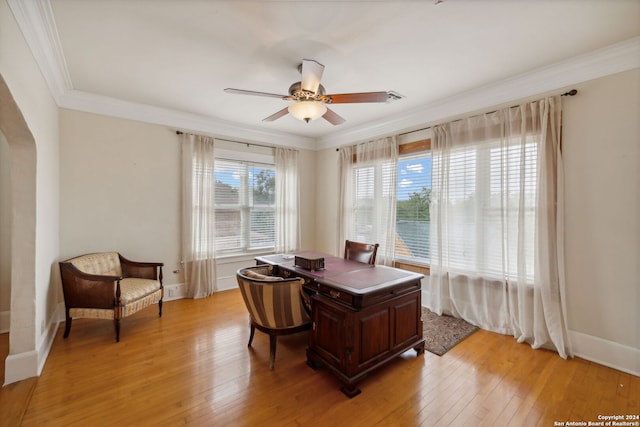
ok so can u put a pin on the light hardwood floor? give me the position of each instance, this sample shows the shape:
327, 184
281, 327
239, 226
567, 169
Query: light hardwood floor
193, 367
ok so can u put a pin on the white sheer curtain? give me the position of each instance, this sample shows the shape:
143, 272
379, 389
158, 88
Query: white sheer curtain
496, 223
287, 200
198, 212
368, 190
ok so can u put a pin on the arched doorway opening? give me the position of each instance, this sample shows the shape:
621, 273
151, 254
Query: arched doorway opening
22, 360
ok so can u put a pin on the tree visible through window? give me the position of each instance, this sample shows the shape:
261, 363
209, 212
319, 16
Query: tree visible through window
374, 183
412, 208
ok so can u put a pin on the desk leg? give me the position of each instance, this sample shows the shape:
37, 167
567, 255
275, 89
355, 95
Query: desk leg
313, 365
350, 390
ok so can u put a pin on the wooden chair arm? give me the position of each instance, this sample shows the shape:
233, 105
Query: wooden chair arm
142, 270
88, 290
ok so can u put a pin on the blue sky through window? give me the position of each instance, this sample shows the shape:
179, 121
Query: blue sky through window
413, 174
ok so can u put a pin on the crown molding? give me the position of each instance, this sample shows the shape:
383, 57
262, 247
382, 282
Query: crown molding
37, 23
189, 122
35, 20
609, 60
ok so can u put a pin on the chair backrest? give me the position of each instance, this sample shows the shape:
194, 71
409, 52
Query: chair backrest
273, 302
101, 263
361, 252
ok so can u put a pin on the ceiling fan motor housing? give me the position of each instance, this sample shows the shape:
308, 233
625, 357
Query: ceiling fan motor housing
300, 94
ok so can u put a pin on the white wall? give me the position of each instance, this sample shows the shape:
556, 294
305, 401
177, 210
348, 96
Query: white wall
33, 148
601, 137
308, 172
5, 235
327, 191
120, 190
602, 166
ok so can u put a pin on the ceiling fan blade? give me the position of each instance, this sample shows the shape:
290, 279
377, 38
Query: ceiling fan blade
333, 118
251, 92
277, 115
346, 98
311, 75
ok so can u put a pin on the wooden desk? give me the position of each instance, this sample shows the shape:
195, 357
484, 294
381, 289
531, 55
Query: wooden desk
363, 315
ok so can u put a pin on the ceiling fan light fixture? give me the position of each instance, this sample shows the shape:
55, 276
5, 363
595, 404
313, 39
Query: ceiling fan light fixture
307, 110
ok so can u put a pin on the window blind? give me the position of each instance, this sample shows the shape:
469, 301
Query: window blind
489, 210
244, 206
372, 185
364, 202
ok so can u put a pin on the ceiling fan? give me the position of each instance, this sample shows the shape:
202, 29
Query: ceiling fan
309, 97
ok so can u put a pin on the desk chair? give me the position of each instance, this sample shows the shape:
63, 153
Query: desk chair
274, 304
361, 252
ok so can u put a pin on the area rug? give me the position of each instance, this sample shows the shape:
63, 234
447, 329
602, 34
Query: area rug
442, 333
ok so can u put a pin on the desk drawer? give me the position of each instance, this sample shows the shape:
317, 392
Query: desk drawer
308, 282
382, 295
360, 301
336, 294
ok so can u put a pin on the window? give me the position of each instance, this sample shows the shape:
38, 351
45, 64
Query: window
244, 206
412, 208
372, 184
490, 209
407, 184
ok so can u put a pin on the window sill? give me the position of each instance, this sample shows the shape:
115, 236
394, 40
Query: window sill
416, 268
231, 258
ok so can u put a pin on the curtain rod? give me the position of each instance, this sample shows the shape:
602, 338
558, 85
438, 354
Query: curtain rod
571, 92
179, 132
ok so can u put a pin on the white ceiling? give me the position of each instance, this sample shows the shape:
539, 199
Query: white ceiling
168, 61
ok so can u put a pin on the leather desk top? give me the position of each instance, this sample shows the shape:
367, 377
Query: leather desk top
354, 277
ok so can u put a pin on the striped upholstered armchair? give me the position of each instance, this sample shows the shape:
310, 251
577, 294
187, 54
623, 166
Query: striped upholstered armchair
274, 304
106, 285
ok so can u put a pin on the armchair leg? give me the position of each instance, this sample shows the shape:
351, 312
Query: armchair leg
116, 323
67, 326
160, 308
273, 340
251, 334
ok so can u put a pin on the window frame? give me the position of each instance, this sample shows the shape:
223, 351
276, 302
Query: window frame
405, 149
245, 200
399, 258
409, 148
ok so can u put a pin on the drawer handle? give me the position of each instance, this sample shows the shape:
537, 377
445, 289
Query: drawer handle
334, 294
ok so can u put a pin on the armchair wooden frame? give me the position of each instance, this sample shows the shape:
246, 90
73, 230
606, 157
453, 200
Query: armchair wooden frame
109, 286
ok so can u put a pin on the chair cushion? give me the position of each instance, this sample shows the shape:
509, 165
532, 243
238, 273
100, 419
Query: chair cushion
141, 303
255, 275
132, 289
102, 264
92, 313
136, 294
